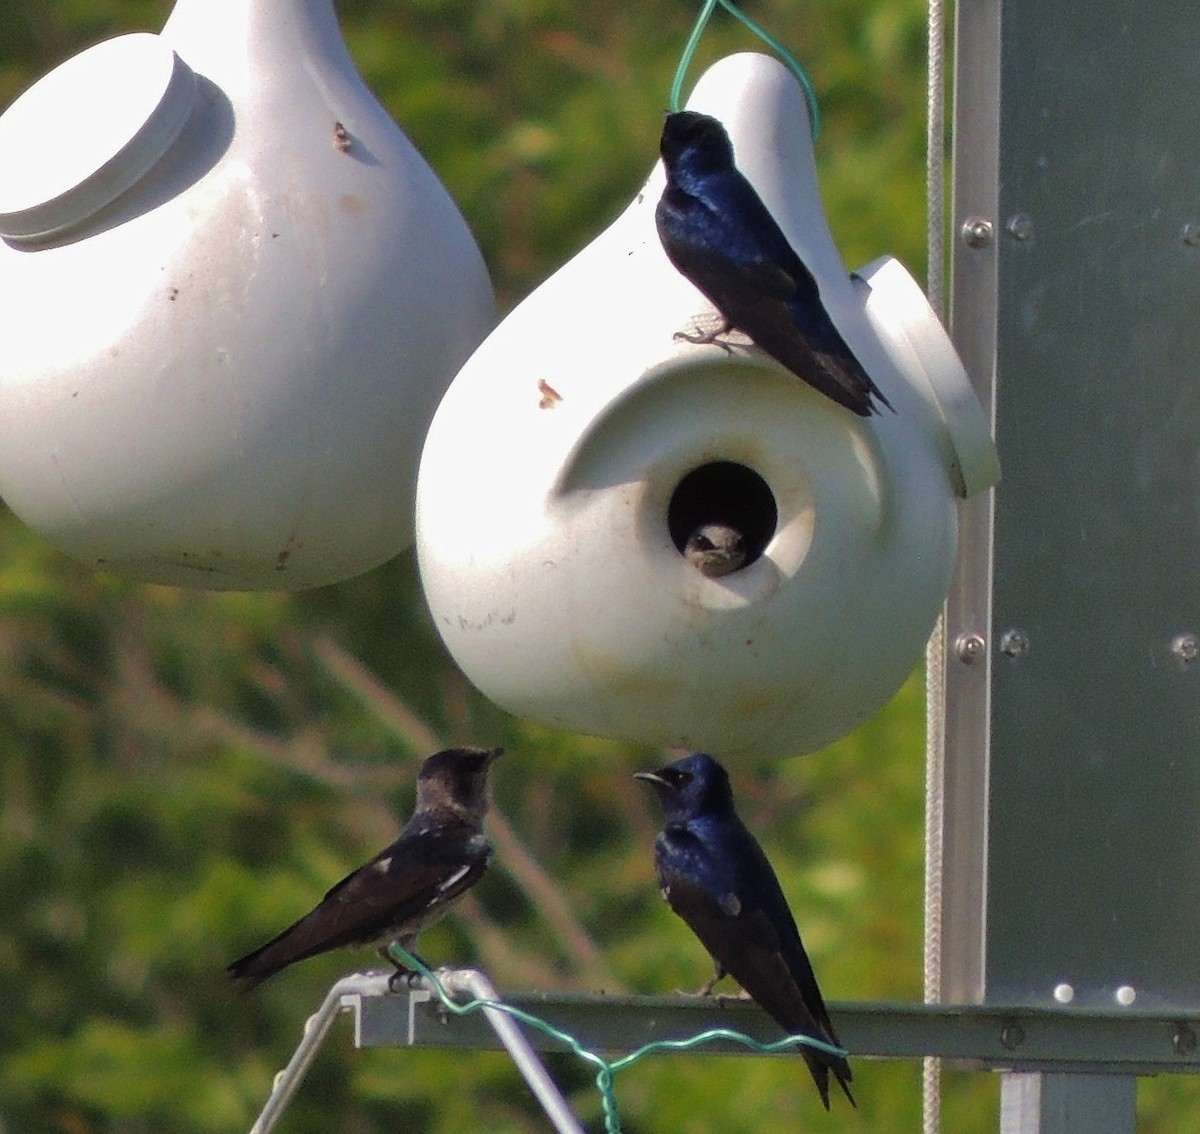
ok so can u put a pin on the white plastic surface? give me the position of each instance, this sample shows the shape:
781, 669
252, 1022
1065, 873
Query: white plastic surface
223, 377
547, 476
81, 136
918, 344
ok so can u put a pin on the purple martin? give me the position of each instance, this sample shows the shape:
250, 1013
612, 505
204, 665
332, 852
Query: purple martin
718, 233
715, 876
441, 853
715, 549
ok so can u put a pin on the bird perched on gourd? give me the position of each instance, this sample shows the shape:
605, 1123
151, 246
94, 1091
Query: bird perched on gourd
718, 233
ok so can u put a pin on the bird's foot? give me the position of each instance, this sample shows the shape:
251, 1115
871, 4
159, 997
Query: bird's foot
707, 338
404, 980
719, 973
721, 998
705, 991
404, 977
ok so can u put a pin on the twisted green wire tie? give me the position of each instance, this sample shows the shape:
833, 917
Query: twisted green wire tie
689, 50
606, 1070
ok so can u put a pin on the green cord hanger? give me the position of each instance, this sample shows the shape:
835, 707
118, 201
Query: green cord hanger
606, 1071
689, 50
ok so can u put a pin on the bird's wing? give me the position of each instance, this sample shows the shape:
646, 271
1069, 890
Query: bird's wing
762, 961
732, 901
746, 944
413, 873
706, 874
402, 889
754, 242
730, 247
765, 900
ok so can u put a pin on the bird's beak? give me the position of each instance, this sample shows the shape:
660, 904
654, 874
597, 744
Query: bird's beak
650, 777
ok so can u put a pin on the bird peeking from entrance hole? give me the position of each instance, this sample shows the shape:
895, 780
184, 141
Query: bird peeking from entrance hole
441, 853
715, 876
718, 233
715, 549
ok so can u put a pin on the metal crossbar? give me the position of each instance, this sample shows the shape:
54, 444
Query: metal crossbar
1048, 1041
1007, 1038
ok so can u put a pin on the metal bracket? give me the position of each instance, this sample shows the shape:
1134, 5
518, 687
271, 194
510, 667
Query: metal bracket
987, 1036
356, 993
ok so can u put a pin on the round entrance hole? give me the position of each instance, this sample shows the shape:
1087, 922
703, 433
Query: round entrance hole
723, 502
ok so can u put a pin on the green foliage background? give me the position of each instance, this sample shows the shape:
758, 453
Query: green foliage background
184, 773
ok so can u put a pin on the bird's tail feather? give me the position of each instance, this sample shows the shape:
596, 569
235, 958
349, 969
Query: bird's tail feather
246, 978
820, 1064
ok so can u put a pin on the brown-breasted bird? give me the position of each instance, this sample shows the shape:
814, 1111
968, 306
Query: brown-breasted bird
441, 853
715, 549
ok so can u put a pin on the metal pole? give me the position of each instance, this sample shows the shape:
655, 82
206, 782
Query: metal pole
474, 983
342, 997
1037, 1103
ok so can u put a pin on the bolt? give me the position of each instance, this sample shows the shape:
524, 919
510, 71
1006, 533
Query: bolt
1014, 643
1125, 995
1064, 993
1191, 234
1186, 648
977, 232
1012, 1036
1184, 1040
1020, 226
970, 648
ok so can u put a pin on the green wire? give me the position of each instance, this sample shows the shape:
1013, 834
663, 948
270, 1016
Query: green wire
606, 1071
689, 50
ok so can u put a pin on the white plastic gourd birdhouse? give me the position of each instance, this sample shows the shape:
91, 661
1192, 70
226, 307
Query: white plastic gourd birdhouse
233, 294
583, 442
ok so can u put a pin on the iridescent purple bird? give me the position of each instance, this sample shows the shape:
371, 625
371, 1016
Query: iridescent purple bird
716, 877
718, 233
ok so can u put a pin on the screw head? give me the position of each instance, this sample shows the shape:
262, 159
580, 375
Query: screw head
1012, 1036
1185, 648
1190, 234
1020, 226
1184, 1040
970, 648
977, 232
1014, 642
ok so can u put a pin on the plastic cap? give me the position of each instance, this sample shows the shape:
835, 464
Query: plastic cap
89, 130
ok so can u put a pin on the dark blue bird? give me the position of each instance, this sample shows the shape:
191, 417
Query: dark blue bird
716, 877
715, 229
441, 853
